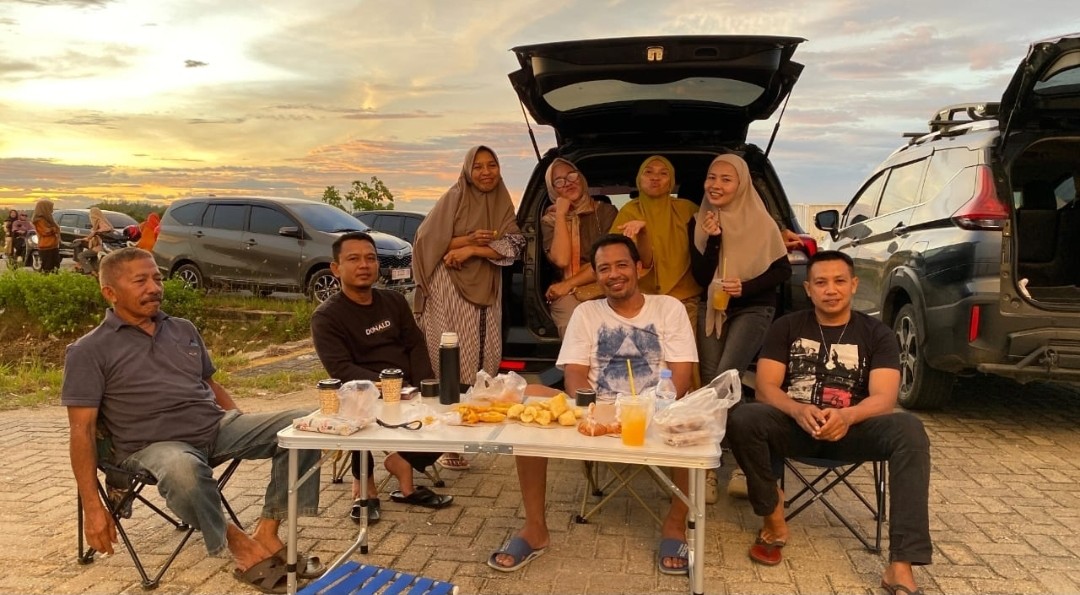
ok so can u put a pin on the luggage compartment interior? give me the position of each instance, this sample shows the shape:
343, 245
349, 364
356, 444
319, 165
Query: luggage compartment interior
1045, 183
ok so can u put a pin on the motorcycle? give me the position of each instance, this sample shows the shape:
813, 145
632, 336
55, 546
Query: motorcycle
110, 241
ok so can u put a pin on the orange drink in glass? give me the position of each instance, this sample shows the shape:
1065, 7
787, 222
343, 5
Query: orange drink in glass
632, 418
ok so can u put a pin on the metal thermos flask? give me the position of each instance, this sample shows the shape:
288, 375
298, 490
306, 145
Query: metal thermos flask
449, 369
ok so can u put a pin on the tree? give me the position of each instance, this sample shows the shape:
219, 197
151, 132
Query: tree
363, 196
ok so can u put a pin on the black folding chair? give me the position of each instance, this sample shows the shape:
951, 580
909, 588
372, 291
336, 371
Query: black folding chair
121, 489
834, 474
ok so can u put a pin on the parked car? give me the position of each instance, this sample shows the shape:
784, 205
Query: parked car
949, 230
74, 225
614, 102
402, 224
267, 244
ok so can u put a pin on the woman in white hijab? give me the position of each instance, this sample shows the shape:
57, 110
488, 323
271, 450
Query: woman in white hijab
737, 253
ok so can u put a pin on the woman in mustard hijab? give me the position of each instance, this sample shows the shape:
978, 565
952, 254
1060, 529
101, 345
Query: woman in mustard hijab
460, 248
657, 222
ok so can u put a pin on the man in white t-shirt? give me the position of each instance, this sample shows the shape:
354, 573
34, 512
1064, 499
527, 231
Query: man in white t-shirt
652, 332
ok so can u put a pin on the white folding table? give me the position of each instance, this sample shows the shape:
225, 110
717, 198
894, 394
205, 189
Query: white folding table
508, 439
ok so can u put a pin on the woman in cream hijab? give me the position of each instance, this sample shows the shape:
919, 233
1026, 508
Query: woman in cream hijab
569, 227
736, 249
657, 221
87, 255
460, 248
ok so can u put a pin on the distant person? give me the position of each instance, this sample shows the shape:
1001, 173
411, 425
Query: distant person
569, 228
19, 231
148, 232
460, 250
48, 233
360, 331
827, 385
91, 245
9, 241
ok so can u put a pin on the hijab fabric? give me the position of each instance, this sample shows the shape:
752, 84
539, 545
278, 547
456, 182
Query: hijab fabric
44, 210
750, 239
585, 206
665, 219
98, 222
460, 210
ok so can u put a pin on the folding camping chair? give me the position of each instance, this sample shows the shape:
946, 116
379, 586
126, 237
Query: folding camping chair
120, 490
832, 475
620, 477
354, 577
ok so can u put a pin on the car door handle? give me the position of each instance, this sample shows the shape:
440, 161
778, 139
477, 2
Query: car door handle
198, 234
899, 230
250, 242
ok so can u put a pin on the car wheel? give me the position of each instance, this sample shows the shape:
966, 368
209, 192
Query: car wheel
191, 276
921, 387
322, 286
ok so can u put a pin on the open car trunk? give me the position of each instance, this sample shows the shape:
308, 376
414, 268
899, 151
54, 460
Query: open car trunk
1045, 179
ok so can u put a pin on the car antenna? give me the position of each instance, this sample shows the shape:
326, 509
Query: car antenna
532, 136
776, 128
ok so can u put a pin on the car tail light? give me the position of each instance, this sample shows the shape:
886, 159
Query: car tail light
810, 244
511, 365
985, 210
973, 323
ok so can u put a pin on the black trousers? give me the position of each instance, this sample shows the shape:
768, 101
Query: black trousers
760, 434
418, 460
50, 260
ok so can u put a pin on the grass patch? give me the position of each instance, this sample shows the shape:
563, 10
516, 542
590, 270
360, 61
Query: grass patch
28, 384
273, 383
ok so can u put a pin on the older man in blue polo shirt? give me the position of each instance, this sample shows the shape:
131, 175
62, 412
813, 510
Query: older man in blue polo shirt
148, 377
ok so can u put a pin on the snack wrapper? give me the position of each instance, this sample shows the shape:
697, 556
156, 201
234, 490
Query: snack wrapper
325, 424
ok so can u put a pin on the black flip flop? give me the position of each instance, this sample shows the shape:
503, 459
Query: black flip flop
423, 496
373, 511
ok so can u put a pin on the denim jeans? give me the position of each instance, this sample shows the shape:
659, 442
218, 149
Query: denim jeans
761, 433
741, 338
185, 474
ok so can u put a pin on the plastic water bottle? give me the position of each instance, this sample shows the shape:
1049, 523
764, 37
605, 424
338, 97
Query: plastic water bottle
449, 369
665, 391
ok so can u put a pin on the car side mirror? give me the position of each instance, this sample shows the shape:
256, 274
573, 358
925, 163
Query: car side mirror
289, 232
828, 221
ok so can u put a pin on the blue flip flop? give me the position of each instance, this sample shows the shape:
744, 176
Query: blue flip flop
520, 550
673, 548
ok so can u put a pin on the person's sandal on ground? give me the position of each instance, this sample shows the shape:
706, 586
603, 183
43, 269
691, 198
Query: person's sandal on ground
767, 552
517, 548
307, 567
673, 548
454, 461
422, 496
374, 513
899, 589
736, 487
268, 576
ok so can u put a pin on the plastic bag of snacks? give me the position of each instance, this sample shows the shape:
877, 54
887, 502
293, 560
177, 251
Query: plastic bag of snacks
701, 416
358, 401
325, 424
507, 388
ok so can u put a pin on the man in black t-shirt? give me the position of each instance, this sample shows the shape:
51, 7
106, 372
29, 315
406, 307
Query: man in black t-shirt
827, 382
358, 333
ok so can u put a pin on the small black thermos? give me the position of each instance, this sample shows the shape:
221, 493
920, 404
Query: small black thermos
449, 369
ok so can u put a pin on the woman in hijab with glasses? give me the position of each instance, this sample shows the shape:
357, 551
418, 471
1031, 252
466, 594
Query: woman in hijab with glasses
48, 233
569, 227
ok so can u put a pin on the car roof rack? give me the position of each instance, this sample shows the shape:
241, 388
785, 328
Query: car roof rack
947, 121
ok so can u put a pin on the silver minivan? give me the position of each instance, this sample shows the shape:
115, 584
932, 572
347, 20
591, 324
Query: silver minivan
267, 244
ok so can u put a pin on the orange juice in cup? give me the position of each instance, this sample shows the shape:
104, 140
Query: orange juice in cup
720, 298
632, 419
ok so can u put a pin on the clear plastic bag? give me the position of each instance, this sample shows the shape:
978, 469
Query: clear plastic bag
701, 416
504, 388
358, 400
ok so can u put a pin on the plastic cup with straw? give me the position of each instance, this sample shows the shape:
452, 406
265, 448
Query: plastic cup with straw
632, 414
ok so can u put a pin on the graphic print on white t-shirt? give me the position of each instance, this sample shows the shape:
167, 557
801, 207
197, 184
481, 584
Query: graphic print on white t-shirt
615, 344
825, 380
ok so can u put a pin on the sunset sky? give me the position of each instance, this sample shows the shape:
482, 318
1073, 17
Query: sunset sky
158, 99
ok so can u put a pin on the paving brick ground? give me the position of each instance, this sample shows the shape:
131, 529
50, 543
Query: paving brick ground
1004, 515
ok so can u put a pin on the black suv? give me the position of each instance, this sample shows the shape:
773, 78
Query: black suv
963, 239
267, 244
614, 102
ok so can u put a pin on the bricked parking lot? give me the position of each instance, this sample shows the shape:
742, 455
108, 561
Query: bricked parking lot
1003, 511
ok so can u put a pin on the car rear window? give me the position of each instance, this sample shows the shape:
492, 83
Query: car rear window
189, 214
697, 89
229, 217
